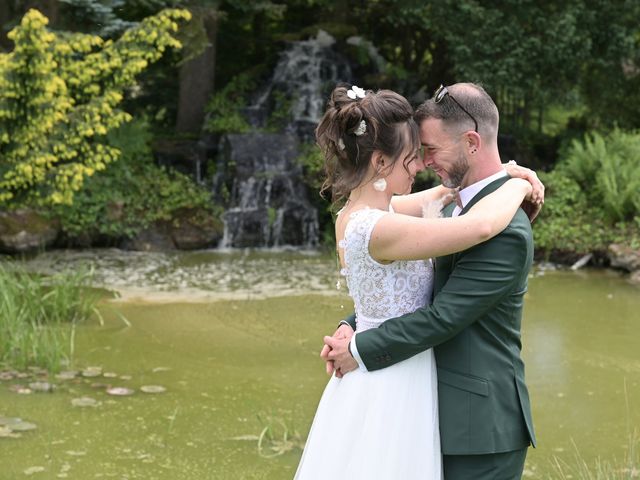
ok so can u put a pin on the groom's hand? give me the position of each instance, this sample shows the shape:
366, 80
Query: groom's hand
343, 361
343, 331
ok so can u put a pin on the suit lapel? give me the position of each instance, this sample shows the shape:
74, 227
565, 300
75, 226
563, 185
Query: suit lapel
444, 265
492, 187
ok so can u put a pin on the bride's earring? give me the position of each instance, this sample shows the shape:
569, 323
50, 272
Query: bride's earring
380, 185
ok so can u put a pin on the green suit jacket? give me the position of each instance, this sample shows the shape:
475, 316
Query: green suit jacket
473, 325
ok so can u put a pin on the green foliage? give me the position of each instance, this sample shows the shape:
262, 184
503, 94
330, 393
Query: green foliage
59, 96
38, 316
96, 16
567, 223
593, 196
132, 193
312, 162
281, 113
607, 168
224, 109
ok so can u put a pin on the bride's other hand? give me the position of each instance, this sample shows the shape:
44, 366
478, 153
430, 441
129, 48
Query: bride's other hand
516, 171
343, 331
533, 202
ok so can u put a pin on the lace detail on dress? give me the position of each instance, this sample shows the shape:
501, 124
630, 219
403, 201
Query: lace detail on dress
380, 291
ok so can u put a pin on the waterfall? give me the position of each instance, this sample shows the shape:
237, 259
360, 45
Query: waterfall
267, 200
306, 72
269, 204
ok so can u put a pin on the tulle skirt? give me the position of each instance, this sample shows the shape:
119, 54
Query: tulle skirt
377, 425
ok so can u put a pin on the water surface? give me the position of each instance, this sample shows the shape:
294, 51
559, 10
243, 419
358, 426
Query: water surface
235, 340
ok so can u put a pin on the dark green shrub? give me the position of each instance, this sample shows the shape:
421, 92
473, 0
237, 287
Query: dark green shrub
132, 193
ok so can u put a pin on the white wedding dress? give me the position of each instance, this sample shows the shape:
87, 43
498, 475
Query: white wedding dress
381, 424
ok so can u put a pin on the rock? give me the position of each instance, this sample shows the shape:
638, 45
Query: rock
268, 201
25, 230
623, 256
193, 230
188, 230
188, 156
155, 238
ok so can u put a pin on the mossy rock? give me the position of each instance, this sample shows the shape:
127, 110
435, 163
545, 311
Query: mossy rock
25, 230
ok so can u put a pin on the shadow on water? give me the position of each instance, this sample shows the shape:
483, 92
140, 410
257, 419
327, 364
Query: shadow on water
242, 361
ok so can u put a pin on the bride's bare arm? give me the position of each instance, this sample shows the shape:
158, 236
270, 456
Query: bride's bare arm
403, 237
412, 204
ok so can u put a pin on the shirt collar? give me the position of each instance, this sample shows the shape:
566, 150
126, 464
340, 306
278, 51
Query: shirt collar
466, 194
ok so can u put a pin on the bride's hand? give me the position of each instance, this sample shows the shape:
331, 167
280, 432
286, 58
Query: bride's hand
516, 171
343, 331
533, 202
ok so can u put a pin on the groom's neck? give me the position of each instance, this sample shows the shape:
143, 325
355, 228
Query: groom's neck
482, 168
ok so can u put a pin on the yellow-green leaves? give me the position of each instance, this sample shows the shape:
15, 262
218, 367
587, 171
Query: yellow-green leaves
59, 96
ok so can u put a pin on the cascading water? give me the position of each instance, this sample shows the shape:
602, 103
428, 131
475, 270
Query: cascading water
268, 203
305, 73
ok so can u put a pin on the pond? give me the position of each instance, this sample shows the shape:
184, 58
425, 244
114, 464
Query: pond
234, 338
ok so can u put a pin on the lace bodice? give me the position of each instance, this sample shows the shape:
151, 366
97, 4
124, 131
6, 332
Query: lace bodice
380, 291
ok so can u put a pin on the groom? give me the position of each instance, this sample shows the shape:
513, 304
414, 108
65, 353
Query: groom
474, 321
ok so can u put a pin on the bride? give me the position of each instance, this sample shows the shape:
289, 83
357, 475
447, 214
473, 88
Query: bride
384, 424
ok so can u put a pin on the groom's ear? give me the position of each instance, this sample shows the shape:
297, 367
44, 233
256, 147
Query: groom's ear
474, 142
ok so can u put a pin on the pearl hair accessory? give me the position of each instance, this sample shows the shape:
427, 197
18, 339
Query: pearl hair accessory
361, 130
341, 144
380, 185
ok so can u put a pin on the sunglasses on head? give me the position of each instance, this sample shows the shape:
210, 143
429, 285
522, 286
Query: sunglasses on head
442, 92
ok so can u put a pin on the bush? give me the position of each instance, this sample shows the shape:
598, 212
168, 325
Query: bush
606, 168
592, 197
567, 222
225, 107
59, 96
132, 193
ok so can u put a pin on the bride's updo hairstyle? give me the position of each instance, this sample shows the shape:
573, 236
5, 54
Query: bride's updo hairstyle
347, 151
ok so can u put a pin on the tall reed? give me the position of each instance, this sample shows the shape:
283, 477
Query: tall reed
628, 468
38, 316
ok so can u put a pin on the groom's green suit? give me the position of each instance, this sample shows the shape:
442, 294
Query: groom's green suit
474, 326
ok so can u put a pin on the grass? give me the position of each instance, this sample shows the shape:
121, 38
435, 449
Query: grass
626, 469
38, 316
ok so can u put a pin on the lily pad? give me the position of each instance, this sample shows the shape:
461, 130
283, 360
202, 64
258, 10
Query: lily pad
23, 427
8, 421
153, 389
120, 391
67, 375
32, 470
92, 372
41, 386
99, 385
6, 432
21, 389
85, 402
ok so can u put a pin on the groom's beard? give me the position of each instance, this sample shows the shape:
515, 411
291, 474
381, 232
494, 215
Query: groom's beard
457, 172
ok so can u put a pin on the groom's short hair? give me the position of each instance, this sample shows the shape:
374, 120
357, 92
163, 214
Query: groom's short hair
474, 99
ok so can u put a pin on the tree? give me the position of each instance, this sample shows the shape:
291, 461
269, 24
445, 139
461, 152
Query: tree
59, 96
526, 53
